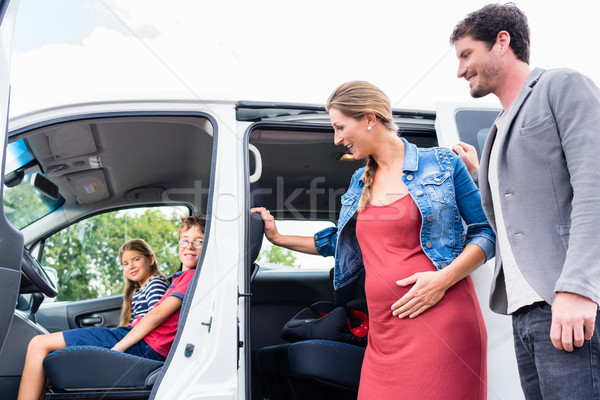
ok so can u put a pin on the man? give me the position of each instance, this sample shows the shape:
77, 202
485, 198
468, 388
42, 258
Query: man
540, 190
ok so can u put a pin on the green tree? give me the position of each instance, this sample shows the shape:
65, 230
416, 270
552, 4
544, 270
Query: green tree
277, 255
85, 255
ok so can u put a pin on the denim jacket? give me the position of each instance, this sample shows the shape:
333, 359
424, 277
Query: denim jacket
442, 188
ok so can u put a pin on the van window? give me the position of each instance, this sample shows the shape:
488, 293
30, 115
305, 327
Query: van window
474, 126
86, 254
275, 257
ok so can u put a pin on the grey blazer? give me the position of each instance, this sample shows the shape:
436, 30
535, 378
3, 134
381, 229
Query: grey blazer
549, 182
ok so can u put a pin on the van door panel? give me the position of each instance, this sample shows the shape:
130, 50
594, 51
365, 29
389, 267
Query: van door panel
11, 240
66, 315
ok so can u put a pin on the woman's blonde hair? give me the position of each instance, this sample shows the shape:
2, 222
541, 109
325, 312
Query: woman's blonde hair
355, 99
140, 246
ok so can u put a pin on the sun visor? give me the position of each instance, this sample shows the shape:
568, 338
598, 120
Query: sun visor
71, 141
89, 186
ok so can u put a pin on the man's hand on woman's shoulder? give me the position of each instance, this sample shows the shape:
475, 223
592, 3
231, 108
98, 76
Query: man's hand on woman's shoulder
468, 154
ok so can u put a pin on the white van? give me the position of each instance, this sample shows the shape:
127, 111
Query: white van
80, 179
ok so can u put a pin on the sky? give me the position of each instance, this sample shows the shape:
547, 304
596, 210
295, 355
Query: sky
70, 51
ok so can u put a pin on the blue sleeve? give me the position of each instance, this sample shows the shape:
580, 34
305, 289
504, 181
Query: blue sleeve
326, 241
468, 199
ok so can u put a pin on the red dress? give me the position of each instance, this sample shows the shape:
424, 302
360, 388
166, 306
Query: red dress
440, 354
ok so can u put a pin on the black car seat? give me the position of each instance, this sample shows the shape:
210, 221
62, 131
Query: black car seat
92, 372
101, 373
313, 369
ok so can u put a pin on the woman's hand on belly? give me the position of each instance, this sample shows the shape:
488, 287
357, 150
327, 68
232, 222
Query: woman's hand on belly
428, 289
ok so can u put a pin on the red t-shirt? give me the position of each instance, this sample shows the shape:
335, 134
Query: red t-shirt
161, 338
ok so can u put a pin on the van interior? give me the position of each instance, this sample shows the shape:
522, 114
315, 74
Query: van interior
96, 163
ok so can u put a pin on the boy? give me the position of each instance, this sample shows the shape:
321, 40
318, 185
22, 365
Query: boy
150, 336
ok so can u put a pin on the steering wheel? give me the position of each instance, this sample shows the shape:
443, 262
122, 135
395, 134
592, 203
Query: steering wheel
32, 269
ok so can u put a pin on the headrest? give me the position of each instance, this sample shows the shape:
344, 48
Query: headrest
256, 231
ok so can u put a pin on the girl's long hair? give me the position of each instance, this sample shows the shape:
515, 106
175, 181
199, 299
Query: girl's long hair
140, 246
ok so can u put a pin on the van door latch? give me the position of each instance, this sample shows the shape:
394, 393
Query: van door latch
207, 324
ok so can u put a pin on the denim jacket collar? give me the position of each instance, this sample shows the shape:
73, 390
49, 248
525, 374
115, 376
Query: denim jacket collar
411, 157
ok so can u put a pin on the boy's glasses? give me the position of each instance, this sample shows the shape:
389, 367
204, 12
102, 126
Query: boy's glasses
195, 244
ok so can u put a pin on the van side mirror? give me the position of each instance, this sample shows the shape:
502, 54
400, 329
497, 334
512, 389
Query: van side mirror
45, 186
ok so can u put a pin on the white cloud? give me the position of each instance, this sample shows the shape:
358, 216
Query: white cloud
106, 64
278, 51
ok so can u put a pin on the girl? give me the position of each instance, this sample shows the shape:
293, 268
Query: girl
144, 283
150, 336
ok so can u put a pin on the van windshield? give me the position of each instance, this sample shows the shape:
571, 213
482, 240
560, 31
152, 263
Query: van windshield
23, 203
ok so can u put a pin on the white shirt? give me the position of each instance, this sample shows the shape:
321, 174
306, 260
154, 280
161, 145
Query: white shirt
519, 292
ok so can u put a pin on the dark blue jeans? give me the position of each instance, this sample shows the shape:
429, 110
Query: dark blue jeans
106, 337
549, 373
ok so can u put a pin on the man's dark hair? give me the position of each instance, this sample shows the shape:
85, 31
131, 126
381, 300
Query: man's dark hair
485, 24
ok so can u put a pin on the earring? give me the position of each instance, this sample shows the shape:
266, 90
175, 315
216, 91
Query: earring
368, 128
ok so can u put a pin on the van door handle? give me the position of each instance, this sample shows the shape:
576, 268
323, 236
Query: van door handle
257, 163
94, 320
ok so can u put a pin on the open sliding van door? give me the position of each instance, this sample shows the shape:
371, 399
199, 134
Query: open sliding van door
471, 124
11, 240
